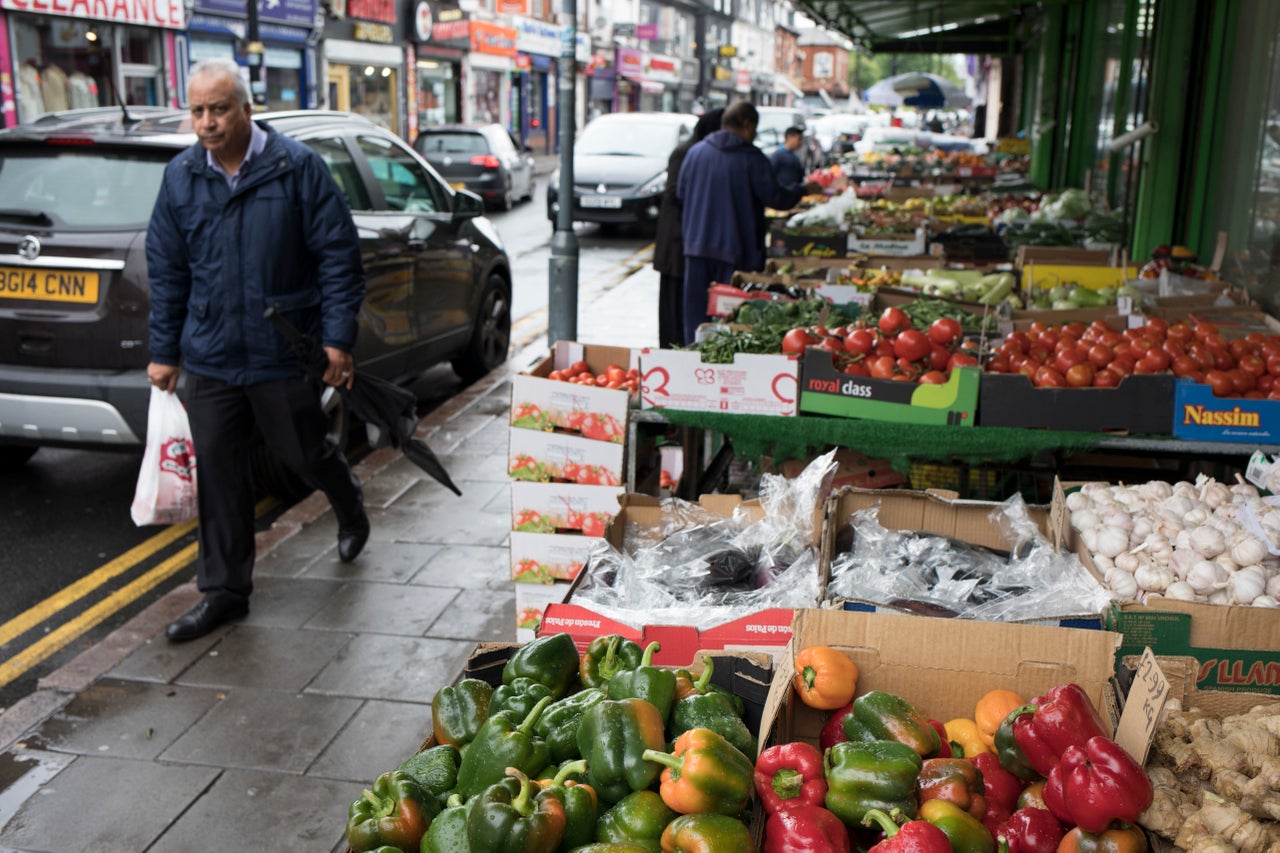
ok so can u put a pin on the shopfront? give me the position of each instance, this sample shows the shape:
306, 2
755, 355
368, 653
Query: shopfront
487, 73
601, 85
58, 54
365, 63
442, 36
537, 46
219, 27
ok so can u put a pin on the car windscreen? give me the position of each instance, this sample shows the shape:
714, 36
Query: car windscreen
82, 187
772, 128
627, 139
452, 143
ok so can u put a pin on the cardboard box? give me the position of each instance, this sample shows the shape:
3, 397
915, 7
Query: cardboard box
799, 265
824, 244
852, 469
547, 557
1139, 405
724, 299
562, 507
899, 247
1048, 276
543, 456
1235, 647
826, 391
1200, 416
764, 631
942, 667
539, 403
936, 512
532, 600
752, 385
1064, 255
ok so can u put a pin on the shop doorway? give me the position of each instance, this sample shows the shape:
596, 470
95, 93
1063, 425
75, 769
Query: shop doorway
340, 88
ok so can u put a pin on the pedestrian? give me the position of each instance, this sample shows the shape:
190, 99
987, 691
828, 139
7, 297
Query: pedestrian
668, 245
724, 185
787, 167
246, 219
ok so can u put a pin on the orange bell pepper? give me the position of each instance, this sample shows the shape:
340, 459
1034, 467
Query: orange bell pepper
704, 773
825, 678
990, 712
1123, 839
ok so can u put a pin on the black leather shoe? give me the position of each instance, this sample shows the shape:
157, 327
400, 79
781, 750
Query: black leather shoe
211, 612
351, 538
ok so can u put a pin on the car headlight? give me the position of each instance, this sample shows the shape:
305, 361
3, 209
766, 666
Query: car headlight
654, 185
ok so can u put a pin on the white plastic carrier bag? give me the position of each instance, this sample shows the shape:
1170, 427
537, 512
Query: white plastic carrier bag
166, 492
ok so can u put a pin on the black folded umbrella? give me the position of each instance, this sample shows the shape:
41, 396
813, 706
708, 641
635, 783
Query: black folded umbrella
388, 411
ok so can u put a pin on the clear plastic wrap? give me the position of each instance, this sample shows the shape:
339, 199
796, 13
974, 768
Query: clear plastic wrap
702, 569
936, 574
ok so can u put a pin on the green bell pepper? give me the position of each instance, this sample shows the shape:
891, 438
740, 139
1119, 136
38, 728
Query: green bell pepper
878, 774
638, 818
503, 741
712, 711
581, 808
965, 832
394, 811
552, 661
1009, 751
434, 769
706, 833
687, 685
606, 657
558, 725
878, 715
573, 774
448, 832
655, 685
612, 738
519, 696
458, 712
513, 817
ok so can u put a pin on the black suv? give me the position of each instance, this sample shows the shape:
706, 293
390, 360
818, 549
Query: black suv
76, 191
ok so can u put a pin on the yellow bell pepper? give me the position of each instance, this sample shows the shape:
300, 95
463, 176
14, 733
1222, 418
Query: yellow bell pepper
966, 741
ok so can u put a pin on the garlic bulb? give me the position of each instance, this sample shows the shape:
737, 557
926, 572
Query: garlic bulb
1265, 601
1085, 519
1153, 579
1273, 586
1246, 585
1077, 501
1220, 597
1155, 490
1208, 541
1195, 517
1247, 549
1127, 562
1112, 541
1181, 590
1206, 576
1122, 583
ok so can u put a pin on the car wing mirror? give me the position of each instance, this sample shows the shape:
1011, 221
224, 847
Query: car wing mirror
467, 205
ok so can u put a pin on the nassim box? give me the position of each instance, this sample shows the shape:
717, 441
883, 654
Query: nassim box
1139, 405
1200, 416
941, 666
752, 385
826, 391
539, 403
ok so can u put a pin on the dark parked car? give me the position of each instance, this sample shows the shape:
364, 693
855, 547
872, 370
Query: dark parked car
76, 192
484, 159
620, 167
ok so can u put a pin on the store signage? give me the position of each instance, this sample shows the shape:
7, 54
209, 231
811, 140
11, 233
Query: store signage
728, 51
522, 62
662, 68
422, 22
492, 39
170, 14
299, 13
629, 62
513, 7
647, 32
451, 31
722, 73
742, 82
367, 31
372, 10
540, 37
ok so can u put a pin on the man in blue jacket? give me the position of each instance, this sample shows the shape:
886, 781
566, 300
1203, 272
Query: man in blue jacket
724, 186
247, 219
787, 167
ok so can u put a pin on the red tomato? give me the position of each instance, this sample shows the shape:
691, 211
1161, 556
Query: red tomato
911, 344
1184, 365
884, 348
1146, 366
1123, 364
1220, 383
881, 367
1028, 369
615, 373
1048, 377
1239, 347
854, 368
1159, 358
860, 342
945, 331
1273, 365
939, 356
893, 320
1266, 382
557, 375
1180, 332
1252, 363
961, 359
933, 377
1222, 358
795, 341
1066, 360
1240, 380
1100, 356
1018, 340
1075, 330
996, 364
1080, 375
1106, 378
832, 345
578, 367
1159, 325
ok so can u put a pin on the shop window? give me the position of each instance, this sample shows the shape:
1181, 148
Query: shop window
373, 94
343, 168
437, 93
405, 185
62, 64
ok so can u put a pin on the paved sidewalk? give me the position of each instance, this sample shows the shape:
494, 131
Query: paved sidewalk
260, 735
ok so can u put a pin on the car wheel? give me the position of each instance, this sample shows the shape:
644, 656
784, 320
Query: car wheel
15, 456
491, 335
273, 477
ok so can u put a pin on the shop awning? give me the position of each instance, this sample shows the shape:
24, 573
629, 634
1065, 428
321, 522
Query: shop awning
925, 26
782, 84
652, 87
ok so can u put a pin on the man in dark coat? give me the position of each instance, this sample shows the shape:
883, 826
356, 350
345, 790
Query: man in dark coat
668, 245
787, 167
725, 183
247, 219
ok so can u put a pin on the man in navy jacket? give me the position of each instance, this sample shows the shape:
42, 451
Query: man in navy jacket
724, 186
787, 167
248, 219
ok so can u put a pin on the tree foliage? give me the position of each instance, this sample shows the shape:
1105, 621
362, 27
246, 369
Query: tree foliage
868, 68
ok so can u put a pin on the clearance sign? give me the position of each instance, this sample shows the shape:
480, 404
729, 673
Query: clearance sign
170, 14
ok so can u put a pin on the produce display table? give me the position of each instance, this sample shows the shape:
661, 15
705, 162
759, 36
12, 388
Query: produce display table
754, 436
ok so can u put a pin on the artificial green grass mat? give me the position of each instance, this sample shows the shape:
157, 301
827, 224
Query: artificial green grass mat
754, 436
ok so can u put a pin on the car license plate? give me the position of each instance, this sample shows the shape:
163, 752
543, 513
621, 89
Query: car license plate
458, 185
43, 284
610, 201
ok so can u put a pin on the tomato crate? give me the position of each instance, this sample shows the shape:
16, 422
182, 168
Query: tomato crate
1138, 405
544, 404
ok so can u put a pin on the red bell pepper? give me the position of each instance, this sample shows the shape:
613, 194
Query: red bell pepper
1096, 784
945, 750
833, 732
954, 780
915, 836
788, 775
803, 828
1001, 787
1031, 831
1060, 718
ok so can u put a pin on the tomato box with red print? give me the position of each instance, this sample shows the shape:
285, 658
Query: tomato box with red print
544, 456
752, 385
555, 393
562, 507
547, 557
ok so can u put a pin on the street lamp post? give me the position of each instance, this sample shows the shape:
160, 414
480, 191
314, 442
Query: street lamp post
562, 278
254, 51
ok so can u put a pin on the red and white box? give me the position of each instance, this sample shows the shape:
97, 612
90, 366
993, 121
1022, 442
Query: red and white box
547, 557
532, 600
752, 385
563, 507
543, 456
599, 413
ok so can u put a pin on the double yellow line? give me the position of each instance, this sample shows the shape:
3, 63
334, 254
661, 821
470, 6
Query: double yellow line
59, 638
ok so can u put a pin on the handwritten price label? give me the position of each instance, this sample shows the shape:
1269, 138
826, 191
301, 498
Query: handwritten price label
1142, 708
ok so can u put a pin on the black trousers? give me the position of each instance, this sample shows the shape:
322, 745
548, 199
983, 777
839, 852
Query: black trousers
670, 310
288, 414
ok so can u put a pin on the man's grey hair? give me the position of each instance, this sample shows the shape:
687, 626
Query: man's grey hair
223, 65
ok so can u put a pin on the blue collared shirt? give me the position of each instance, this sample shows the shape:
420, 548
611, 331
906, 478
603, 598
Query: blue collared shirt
257, 141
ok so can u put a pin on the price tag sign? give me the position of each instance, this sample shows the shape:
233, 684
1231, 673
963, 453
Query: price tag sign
1136, 321
1258, 469
1142, 708
1124, 304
